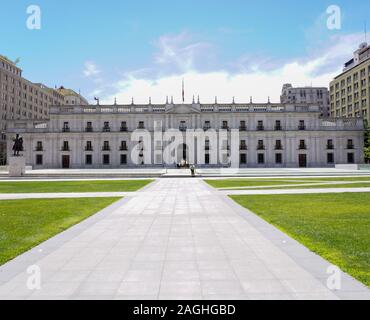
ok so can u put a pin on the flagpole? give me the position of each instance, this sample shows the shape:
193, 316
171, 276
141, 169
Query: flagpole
183, 91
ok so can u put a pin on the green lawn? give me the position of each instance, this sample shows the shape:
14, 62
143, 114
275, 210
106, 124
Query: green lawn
72, 186
336, 226
251, 182
26, 223
231, 183
321, 186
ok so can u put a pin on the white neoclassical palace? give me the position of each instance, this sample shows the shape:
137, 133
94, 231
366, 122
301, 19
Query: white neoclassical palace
207, 135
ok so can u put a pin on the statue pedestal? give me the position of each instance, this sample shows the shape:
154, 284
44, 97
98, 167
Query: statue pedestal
17, 166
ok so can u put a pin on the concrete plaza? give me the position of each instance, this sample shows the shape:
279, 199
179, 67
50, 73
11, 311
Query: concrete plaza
175, 239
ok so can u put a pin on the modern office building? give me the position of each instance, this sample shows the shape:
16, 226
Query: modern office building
22, 99
350, 91
307, 95
124, 136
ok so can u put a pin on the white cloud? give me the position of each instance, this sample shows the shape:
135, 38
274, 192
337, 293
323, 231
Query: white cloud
90, 69
180, 51
180, 57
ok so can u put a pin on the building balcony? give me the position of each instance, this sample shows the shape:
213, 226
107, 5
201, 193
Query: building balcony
206, 128
65, 149
105, 149
225, 128
278, 147
301, 127
123, 129
88, 129
39, 149
243, 148
260, 147
66, 129
141, 127
260, 128
329, 146
183, 129
242, 128
106, 129
350, 146
278, 128
123, 149
302, 147
89, 149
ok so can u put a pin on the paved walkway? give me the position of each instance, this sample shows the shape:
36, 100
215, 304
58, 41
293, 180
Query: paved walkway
177, 239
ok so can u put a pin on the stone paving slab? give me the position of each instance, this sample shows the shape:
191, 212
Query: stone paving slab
177, 239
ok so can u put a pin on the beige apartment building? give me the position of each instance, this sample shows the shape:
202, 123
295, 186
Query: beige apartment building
307, 95
22, 99
350, 91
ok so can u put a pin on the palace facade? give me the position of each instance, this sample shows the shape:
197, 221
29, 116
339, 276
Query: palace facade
124, 136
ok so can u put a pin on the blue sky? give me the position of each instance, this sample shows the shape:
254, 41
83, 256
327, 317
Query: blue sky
141, 48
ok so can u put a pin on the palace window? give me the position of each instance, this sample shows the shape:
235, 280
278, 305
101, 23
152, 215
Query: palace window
243, 158
88, 146
66, 127
106, 159
261, 158
277, 125
350, 158
39, 146
123, 126
350, 144
278, 158
123, 159
330, 158
242, 126
206, 158
88, 159
182, 126
278, 145
106, 146
106, 127
260, 145
206, 144
123, 146
89, 127
243, 145
330, 144
260, 126
39, 160
301, 125
225, 125
65, 146
207, 125
302, 145
141, 125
